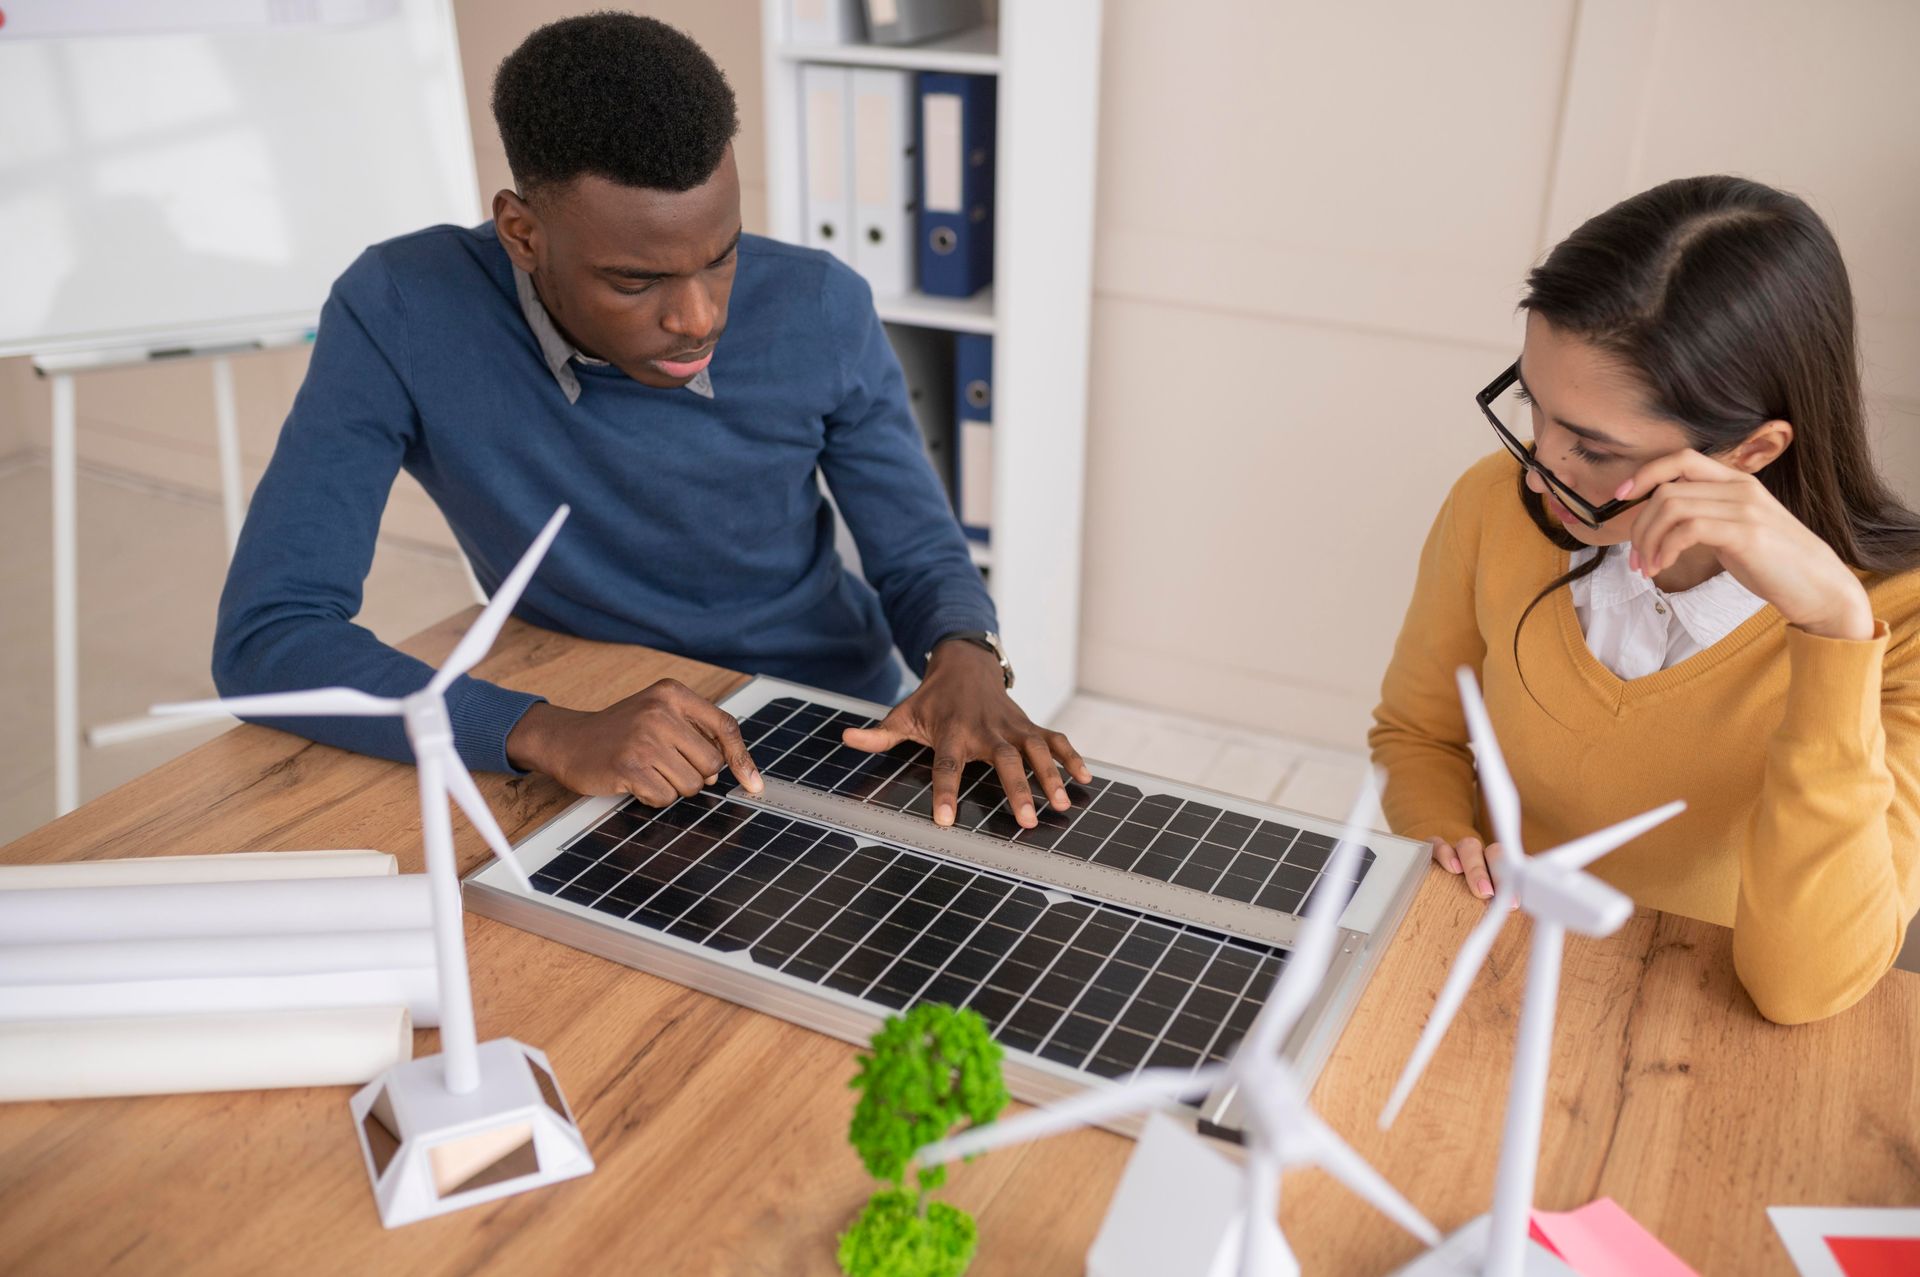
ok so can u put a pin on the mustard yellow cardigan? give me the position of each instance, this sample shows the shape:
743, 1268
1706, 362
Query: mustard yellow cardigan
1798, 756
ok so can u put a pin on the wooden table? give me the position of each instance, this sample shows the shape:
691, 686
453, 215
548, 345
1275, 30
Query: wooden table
721, 1134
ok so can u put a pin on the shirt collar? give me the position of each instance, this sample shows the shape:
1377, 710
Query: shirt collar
559, 354
1709, 611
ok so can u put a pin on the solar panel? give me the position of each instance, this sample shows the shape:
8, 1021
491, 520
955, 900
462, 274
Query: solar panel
832, 900
1075, 981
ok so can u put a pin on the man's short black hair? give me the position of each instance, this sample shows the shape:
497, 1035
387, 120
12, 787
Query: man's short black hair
624, 97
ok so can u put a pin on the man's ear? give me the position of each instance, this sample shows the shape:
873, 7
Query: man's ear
518, 227
1762, 448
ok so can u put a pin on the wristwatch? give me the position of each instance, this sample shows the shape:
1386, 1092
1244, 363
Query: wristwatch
981, 638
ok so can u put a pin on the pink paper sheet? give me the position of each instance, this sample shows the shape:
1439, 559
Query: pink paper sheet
1602, 1240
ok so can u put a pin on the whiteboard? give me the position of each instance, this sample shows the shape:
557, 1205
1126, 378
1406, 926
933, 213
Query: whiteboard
198, 172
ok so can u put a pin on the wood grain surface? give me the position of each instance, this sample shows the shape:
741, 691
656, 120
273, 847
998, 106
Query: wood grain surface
720, 1133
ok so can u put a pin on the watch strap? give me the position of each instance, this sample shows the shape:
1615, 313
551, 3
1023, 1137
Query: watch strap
981, 638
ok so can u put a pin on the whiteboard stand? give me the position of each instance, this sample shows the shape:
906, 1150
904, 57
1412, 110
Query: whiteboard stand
61, 370
226, 418
152, 212
226, 424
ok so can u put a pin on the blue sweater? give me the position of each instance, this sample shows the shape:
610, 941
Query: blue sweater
697, 527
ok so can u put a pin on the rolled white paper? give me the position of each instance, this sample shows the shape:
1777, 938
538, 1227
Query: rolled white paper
166, 1054
233, 866
75, 915
106, 961
416, 988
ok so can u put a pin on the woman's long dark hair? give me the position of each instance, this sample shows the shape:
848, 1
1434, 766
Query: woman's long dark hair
1730, 302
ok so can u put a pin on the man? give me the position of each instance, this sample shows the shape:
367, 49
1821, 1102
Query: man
612, 340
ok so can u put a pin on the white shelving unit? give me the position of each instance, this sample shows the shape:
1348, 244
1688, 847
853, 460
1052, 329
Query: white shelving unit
1046, 54
975, 52
955, 314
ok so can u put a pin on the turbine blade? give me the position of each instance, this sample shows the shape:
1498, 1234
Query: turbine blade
1150, 1088
467, 796
1466, 965
1319, 933
321, 702
1581, 852
1337, 1158
1496, 782
475, 643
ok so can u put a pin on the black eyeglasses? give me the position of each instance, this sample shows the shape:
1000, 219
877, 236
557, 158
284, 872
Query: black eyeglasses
1584, 510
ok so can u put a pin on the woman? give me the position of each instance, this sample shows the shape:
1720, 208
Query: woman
1691, 584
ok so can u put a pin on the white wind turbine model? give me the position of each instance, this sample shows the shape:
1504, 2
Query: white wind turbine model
1559, 896
1181, 1207
480, 1120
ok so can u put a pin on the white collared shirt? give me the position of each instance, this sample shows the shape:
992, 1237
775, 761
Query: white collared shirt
559, 352
1635, 628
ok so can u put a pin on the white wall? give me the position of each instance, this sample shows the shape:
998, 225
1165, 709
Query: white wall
729, 30
1314, 222
1823, 100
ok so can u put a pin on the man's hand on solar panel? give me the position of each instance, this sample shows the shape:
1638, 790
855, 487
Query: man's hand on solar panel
659, 744
962, 711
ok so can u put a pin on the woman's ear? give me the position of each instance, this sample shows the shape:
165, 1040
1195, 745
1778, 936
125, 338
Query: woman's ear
1761, 448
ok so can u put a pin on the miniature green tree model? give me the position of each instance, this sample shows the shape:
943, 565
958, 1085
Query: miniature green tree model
927, 1072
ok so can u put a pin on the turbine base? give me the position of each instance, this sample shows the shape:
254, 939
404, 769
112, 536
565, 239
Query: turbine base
429, 1151
1178, 1209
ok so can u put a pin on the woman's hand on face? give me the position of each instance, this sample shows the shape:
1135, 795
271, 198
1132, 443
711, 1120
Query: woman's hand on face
1698, 501
1468, 858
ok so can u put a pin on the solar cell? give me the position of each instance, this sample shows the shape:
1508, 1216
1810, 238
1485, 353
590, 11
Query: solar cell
1079, 982
1188, 843
789, 902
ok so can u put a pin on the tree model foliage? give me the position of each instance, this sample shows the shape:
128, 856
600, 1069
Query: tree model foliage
926, 1073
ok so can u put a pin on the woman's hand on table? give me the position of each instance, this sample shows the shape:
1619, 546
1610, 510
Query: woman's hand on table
1471, 860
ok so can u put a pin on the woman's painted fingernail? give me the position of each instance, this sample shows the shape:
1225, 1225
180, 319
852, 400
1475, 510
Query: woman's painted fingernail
1620, 493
